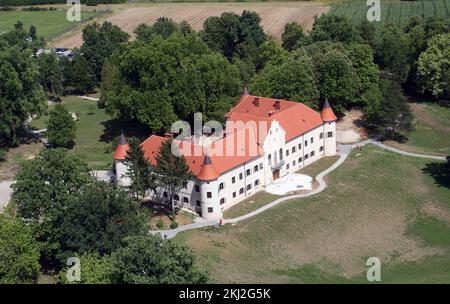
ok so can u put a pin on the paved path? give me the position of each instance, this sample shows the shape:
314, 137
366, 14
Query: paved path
5, 194
344, 151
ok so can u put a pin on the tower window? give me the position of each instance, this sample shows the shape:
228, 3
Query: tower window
197, 188
210, 209
208, 194
330, 134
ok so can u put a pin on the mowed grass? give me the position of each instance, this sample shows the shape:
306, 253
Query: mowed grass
373, 206
90, 144
262, 198
431, 132
393, 12
49, 24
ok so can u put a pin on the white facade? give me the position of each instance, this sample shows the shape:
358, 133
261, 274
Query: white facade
279, 158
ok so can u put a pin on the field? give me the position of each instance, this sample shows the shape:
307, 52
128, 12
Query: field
49, 24
92, 143
369, 209
274, 16
432, 130
396, 12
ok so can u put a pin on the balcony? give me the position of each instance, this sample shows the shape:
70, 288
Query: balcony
277, 165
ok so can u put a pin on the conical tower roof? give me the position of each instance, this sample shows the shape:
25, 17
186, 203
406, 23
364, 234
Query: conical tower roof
122, 148
208, 172
327, 113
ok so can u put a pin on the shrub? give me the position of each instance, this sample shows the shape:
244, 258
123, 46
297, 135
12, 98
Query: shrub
160, 224
174, 225
2, 155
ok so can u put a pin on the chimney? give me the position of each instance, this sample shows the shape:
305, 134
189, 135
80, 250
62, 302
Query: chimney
256, 101
276, 105
168, 135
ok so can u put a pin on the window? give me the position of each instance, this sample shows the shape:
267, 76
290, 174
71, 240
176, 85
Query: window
240, 176
300, 146
260, 165
233, 179
312, 153
321, 135
176, 197
293, 163
249, 186
165, 194
197, 188
287, 167
306, 143
241, 190
255, 168
256, 182
312, 140
300, 160
293, 149
234, 194
185, 200
281, 154
306, 156
208, 194
210, 209
222, 201
330, 134
287, 153
221, 186
248, 172
197, 203
321, 149
270, 159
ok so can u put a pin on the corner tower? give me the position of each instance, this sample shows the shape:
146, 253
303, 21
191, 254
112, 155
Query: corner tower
119, 162
329, 129
209, 190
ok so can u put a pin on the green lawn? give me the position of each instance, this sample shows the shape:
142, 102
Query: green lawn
262, 198
429, 137
90, 142
396, 12
377, 204
49, 24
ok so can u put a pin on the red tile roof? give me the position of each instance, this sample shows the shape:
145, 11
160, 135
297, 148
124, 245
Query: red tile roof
327, 113
121, 149
294, 117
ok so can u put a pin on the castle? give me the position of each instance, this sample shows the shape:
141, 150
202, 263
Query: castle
273, 138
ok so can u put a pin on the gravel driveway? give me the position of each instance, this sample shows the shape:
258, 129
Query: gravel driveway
5, 194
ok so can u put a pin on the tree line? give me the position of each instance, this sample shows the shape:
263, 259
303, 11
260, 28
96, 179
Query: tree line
40, 2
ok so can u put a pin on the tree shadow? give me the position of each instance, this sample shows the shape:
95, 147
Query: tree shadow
440, 172
113, 128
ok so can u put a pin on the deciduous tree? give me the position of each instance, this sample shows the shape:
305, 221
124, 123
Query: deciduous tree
61, 127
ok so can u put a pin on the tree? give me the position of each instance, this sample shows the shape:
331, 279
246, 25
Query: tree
151, 260
367, 33
107, 215
96, 269
99, 43
333, 28
172, 171
163, 27
61, 128
19, 252
394, 53
32, 34
42, 192
232, 34
434, 66
199, 79
293, 79
139, 170
21, 95
78, 75
394, 117
293, 36
50, 74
